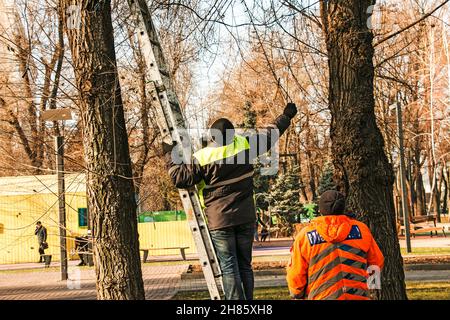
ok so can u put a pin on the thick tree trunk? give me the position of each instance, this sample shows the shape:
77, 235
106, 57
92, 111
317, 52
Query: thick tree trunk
362, 168
111, 199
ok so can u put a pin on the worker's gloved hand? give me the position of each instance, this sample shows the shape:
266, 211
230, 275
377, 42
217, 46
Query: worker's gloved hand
290, 110
167, 148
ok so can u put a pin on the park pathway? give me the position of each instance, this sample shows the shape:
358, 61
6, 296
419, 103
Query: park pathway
160, 282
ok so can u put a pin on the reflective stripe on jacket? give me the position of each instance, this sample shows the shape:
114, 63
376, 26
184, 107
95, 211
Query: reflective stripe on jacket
329, 260
210, 155
225, 177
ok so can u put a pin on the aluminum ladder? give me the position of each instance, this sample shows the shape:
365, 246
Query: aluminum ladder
173, 128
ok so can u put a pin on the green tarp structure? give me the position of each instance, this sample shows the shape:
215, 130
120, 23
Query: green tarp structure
162, 216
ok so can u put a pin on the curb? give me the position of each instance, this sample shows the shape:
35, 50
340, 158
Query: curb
282, 272
427, 267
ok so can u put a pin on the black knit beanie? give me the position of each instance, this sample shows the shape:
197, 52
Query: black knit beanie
222, 131
332, 203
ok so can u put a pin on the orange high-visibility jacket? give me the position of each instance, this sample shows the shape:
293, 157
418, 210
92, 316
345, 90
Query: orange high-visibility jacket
329, 260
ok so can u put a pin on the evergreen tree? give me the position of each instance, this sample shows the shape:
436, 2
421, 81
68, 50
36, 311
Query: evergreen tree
249, 117
261, 185
326, 180
260, 182
285, 198
310, 211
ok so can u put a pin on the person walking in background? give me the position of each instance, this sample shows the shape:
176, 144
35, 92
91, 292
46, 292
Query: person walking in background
258, 222
330, 258
41, 233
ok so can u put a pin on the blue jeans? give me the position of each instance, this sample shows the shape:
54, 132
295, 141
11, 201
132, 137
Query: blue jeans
233, 247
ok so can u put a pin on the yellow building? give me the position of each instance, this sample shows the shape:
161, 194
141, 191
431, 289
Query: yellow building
24, 200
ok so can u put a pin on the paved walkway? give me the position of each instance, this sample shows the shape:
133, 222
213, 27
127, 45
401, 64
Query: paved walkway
161, 283
279, 279
276, 247
427, 242
24, 281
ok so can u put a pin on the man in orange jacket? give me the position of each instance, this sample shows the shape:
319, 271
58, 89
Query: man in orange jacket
330, 258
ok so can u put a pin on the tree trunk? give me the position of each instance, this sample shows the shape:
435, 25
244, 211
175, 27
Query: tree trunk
445, 193
411, 185
362, 168
311, 170
111, 199
437, 195
419, 188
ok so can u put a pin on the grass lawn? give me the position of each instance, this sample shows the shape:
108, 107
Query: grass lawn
416, 291
426, 251
428, 290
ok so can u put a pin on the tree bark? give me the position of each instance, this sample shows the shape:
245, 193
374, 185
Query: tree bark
362, 168
111, 198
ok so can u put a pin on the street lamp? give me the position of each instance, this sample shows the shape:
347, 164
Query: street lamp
60, 115
398, 107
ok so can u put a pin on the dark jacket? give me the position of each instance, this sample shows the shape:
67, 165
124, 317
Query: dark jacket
227, 204
41, 234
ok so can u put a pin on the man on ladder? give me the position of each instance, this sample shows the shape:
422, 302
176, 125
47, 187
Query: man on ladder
224, 173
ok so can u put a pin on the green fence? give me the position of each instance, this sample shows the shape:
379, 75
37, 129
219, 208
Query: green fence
161, 216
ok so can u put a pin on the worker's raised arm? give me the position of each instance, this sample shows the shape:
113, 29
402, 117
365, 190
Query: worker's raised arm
265, 139
183, 175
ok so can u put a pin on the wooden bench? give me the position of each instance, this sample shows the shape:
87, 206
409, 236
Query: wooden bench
182, 251
422, 224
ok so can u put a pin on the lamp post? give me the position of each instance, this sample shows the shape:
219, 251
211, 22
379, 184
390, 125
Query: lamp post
54, 115
404, 195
